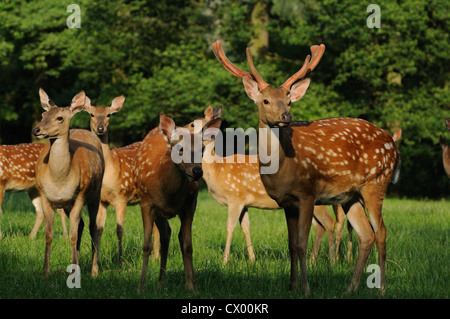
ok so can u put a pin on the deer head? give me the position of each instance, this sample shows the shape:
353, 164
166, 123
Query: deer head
100, 115
210, 114
55, 121
273, 103
186, 147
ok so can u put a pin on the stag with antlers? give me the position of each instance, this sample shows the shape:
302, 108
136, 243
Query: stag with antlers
331, 161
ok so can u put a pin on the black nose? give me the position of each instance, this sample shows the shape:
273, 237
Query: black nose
286, 117
197, 172
100, 128
36, 131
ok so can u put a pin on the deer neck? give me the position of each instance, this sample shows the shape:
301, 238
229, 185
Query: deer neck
174, 180
60, 157
107, 154
274, 145
209, 162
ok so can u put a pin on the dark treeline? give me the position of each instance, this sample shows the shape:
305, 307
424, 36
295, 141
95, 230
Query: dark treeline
158, 54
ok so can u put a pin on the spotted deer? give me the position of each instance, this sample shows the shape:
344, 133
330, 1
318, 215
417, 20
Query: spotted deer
118, 188
236, 183
69, 174
334, 161
17, 174
445, 150
168, 188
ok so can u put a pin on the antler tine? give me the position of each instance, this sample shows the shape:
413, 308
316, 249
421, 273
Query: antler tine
230, 67
317, 52
261, 83
288, 83
309, 65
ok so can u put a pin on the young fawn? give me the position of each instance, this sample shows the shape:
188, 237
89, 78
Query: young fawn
168, 188
118, 188
69, 174
338, 161
17, 174
237, 184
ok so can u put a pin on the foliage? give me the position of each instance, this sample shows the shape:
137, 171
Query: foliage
158, 55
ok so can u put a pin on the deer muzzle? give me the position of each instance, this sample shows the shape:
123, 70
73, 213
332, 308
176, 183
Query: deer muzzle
197, 173
285, 119
37, 132
100, 129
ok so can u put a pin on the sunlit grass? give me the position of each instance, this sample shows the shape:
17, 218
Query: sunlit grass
417, 256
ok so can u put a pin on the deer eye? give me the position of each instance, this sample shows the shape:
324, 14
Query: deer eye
179, 149
266, 102
92, 115
192, 125
108, 115
59, 118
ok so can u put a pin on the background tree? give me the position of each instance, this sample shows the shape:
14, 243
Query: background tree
157, 54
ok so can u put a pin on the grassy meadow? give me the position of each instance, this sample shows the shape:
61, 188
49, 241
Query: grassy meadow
417, 257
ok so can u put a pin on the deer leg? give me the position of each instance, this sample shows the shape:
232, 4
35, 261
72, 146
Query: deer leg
48, 220
357, 217
245, 226
185, 239
319, 231
328, 223
304, 226
2, 194
121, 209
76, 228
340, 218
163, 228
36, 201
292, 217
63, 218
96, 233
148, 218
350, 241
156, 242
374, 205
101, 217
234, 211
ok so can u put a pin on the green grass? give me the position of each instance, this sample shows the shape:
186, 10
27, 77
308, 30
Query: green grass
417, 257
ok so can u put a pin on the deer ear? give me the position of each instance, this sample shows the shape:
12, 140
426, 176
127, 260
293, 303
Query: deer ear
212, 128
46, 102
217, 112
209, 113
213, 124
117, 104
251, 88
87, 105
397, 135
166, 125
77, 103
299, 89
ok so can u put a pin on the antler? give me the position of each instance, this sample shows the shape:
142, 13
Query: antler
261, 83
317, 52
230, 67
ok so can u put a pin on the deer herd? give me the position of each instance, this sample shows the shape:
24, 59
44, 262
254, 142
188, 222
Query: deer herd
344, 162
